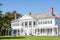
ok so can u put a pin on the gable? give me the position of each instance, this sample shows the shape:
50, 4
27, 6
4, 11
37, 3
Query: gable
26, 17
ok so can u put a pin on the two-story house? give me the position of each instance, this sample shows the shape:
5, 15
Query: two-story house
40, 24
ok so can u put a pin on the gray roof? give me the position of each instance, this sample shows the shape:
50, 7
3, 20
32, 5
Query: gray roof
42, 15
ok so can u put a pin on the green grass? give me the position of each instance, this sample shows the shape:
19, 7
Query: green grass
29, 38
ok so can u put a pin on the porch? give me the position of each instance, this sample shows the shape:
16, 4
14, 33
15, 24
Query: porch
45, 32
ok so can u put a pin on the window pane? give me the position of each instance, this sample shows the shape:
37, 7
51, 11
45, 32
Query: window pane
30, 23
34, 23
25, 23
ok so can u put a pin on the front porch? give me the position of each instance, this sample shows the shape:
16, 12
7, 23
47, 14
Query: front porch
45, 32
35, 32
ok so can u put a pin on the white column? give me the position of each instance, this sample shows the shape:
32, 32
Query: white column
28, 28
52, 31
45, 32
24, 24
24, 28
20, 31
32, 26
23, 32
28, 24
39, 31
33, 31
17, 33
12, 32
57, 31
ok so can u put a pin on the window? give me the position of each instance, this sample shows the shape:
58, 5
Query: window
43, 30
49, 21
25, 23
50, 30
38, 22
45, 22
21, 30
16, 24
30, 23
22, 24
13, 24
41, 22
14, 31
34, 23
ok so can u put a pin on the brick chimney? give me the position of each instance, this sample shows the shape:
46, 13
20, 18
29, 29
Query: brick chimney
15, 16
29, 13
51, 11
59, 15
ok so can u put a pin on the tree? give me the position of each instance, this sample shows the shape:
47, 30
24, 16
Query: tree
17, 14
1, 22
0, 19
0, 4
5, 20
0, 10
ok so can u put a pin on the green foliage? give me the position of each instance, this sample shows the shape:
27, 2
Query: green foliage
0, 10
5, 20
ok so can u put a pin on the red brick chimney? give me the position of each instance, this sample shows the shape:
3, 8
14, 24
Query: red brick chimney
51, 11
29, 13
15, 16
59, 15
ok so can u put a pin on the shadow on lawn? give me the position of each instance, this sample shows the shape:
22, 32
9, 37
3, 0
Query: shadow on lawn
12, 37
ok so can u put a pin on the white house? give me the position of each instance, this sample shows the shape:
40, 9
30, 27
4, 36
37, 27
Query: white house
42, 24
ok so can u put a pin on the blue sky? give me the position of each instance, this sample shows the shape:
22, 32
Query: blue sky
33, 6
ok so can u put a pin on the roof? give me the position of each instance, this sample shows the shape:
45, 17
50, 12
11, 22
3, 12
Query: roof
37, 16
42, 15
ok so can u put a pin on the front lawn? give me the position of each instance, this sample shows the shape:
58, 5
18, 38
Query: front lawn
29, 38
